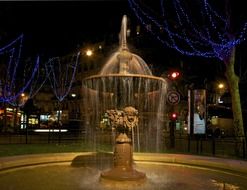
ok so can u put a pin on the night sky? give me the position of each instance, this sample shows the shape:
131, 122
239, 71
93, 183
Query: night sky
54, 28
58, 27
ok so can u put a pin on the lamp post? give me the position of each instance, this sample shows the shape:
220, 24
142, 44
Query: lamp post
86, 53
221, 88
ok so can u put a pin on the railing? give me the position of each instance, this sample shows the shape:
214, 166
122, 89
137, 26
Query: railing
221, 147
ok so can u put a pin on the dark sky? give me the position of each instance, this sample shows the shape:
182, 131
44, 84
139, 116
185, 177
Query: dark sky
58, 26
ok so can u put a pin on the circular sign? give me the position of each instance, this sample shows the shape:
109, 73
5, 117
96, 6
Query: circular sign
173, 97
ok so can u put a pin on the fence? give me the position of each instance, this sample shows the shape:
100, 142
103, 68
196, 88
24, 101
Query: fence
220, 147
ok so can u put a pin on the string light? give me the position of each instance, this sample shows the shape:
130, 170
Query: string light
61, 79
8, 84
11, 95
11, 44
208, 37
36, 84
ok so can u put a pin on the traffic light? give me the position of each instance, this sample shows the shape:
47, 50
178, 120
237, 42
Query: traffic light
173, 116
174, 75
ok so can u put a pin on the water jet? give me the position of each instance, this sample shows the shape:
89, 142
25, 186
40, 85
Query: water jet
124, 87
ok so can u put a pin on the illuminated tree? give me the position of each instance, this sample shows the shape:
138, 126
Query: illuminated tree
32, 89
62, 72
198, 31
13, 79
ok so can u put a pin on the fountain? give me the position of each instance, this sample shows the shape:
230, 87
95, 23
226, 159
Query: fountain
125, 82
133, 101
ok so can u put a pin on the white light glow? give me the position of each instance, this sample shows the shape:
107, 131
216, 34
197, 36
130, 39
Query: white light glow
221, 86
220, 101
89, 52
50, 130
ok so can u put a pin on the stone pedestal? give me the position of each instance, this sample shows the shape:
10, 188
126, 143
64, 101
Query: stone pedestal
123, 162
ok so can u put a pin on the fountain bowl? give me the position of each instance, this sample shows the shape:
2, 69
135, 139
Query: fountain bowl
83, 170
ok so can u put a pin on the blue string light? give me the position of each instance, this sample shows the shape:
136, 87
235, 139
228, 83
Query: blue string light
61, 79
36, 84
208, 37
11, 44
11, 95
8, 84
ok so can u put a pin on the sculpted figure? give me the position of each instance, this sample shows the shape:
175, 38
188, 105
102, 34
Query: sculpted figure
125, 119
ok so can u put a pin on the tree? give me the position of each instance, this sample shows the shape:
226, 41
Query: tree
200, 31
32, 89
61, 75
13, 80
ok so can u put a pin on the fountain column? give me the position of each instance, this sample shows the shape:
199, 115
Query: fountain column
123, 169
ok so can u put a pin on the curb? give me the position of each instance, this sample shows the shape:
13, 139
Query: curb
229, 165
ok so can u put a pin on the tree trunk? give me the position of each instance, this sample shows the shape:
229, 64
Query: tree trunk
233, 82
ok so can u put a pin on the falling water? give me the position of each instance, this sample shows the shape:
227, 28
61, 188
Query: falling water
126, 80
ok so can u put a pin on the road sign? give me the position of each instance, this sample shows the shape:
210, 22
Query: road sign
173, 97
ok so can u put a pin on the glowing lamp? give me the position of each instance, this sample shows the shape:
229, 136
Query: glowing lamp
173, 116
89, 52
175, 75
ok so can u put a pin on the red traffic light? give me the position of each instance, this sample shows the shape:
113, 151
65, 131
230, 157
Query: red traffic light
174, 75
174, 116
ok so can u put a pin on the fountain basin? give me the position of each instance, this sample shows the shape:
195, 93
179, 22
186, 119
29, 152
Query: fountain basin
82, 171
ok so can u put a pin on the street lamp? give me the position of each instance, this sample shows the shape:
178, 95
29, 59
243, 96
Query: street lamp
24, 97
221, 88
89, 52
221, 85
